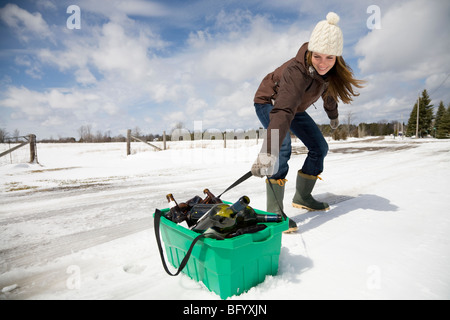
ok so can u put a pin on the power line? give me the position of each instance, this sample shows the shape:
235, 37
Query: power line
448, 75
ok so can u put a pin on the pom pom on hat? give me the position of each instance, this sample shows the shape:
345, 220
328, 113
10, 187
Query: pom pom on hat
327, 37
332, 18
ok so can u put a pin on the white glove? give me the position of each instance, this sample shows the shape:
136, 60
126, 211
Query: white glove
264, 165
334, 123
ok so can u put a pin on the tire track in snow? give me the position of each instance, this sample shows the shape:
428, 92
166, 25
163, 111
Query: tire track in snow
101, 208
51, 249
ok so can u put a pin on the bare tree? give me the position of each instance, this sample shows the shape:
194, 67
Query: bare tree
89, 136
3, 135
137, 132
81, 133
361, 130
16, 135
348, 121
85, 133
98, 136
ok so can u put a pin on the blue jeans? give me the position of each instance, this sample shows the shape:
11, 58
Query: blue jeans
304, 127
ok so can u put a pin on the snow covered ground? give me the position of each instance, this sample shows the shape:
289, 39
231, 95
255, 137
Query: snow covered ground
79, 224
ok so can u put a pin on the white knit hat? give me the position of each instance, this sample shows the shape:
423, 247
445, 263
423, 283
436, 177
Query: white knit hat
327, 37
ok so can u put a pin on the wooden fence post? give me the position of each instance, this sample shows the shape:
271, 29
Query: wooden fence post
225, 140
164, 139
128, 142
33, 157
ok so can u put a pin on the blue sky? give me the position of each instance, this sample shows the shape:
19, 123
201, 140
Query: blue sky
153, 64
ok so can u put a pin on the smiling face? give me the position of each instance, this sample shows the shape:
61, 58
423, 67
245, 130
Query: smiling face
322, 62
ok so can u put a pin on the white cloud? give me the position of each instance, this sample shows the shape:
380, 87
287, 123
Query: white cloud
117, 10
113, 51
212, 78
224, 67
439, 82
195, 106
122, 54
46, 5
33, 68
85, 77
22, 99
413, 41
110, 108
251, 48
53, 121
75, 56
117, 64
69, 104
173, 118
408, 54
24, 23
141, 8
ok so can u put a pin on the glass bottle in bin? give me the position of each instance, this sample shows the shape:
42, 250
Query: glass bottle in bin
196, 212
249, 217
245, 230
210, 197
175, 213
221, 217
192, 202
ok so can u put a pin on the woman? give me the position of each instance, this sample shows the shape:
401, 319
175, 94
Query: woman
281, 101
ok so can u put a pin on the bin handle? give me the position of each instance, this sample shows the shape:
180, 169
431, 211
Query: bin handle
157, 222
264, 240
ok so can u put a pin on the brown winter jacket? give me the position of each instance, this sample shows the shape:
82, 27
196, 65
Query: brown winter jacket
294, 87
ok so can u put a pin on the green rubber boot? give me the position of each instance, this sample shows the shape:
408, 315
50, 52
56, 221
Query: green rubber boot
303, 198
275, 200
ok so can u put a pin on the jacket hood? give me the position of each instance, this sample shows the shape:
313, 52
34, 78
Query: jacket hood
307, 69
301, 54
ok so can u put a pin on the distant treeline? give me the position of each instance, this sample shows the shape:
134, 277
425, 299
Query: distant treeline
341, 133
100, 139
361, 130
86, 136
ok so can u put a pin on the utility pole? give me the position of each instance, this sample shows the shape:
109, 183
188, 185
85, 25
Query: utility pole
417, 121
403, 133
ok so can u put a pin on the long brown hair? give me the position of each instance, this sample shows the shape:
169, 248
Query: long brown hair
340, 80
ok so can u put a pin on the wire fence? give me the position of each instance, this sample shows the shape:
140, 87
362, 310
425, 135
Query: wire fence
14, 151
